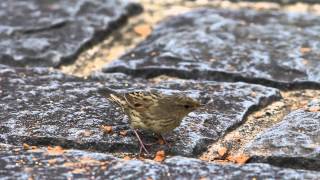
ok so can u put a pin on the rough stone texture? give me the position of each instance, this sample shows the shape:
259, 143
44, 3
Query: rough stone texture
187, 168
294, 142
282, 1
49, 33
17, 163
44, 107
273, 48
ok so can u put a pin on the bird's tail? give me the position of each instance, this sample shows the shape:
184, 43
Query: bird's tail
112, 96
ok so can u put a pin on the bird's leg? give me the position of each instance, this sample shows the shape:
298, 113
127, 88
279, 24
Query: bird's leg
141, 143
164, 140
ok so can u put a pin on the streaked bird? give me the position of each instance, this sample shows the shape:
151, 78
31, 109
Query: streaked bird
151, 110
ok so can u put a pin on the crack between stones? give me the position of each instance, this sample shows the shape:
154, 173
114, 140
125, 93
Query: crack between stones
57, 25
233, 143
288, 162
212, 76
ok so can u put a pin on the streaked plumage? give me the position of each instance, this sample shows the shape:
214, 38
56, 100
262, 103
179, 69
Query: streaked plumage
152, 111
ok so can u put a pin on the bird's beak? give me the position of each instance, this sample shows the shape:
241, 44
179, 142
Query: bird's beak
200, 105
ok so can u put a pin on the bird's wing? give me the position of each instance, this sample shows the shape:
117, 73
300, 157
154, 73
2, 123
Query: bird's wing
140, 101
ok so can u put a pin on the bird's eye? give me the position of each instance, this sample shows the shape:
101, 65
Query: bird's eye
186, 106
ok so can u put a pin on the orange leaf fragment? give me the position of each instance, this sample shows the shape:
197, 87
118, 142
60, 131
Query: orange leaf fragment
305, 50
314, 109
126, 158
241, 159
123, 133
106, 129
89, 161
143, 30
52, 161
203, 178
57, 150
79, 171
26, 146
222, 151
161, 142
259, 114
160, 156
231, 158
103, 167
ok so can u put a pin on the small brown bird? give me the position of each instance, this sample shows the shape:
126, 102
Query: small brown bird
153, 111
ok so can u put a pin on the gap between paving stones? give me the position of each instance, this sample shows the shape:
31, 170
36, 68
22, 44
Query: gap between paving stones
233, 144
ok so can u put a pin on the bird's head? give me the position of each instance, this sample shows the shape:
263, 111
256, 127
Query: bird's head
184, 105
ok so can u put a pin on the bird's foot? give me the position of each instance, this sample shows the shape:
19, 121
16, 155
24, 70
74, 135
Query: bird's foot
142, 145
162, 139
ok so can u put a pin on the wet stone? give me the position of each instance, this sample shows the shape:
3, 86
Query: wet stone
49, 33
45, 163
43, 107
293, 143
269, 47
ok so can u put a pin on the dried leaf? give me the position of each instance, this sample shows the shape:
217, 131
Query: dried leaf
79, 171
143, 30
106, 129
123, 133
25, 146
57, 150
259, 114
160, 156
161, 141
89, 161
241, 159
52, 161
231, 158
126, 158
314, 109
304, 50
222, 151
203, 178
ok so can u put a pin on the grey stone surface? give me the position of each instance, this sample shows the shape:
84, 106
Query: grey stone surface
282, 1
44, 107
263, 47
17, 163
187, 168
294, 142
49, 33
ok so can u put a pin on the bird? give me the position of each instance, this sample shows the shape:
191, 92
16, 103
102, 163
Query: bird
152, 110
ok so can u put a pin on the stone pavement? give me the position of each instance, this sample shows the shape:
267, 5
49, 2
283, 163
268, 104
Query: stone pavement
241, 63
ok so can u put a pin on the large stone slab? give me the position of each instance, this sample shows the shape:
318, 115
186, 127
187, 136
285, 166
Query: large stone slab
17, 163
44, 107
294, 142
282, 1
49, 33
268, 47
